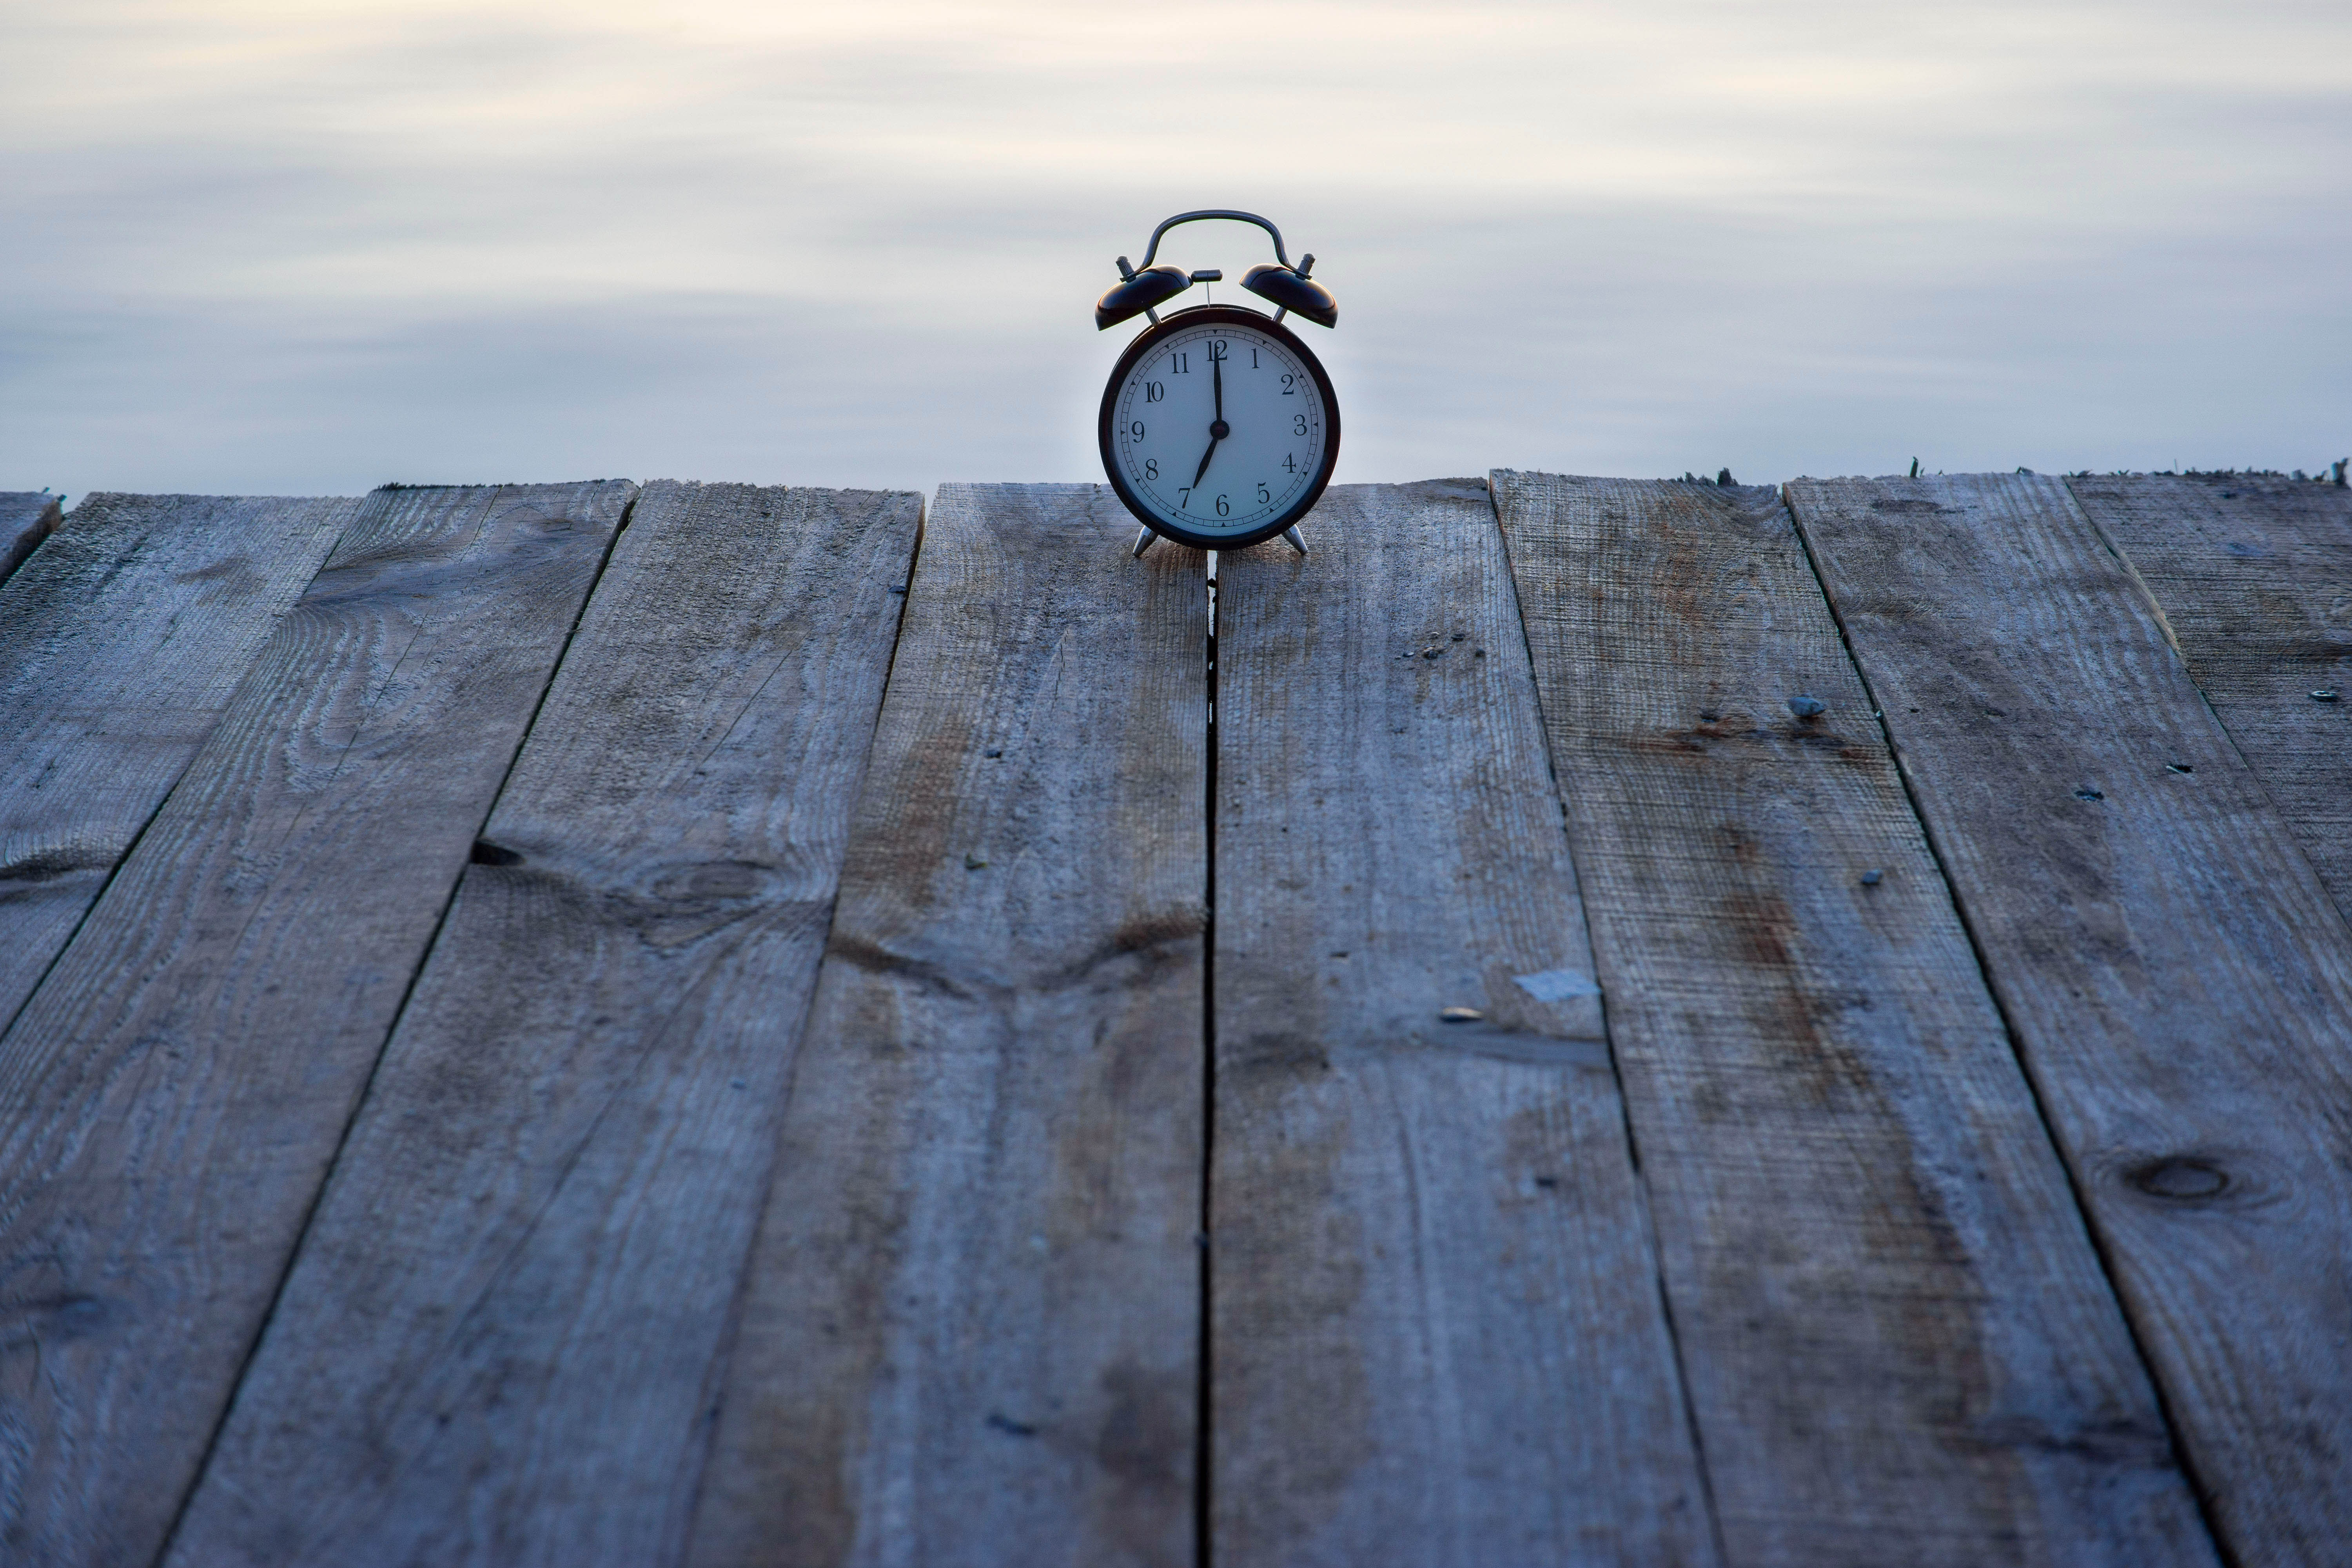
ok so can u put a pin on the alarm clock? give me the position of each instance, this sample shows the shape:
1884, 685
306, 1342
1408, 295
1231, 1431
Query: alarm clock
1219, 428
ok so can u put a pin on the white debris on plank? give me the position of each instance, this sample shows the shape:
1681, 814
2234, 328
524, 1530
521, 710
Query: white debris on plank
1557, 985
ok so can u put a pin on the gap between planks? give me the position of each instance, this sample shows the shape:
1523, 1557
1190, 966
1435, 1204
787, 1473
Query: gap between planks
270, 919
2175, 974
573, 1118
1204, 1393
1897, 1339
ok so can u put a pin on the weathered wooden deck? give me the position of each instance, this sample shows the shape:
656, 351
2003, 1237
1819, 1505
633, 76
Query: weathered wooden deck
588, 1025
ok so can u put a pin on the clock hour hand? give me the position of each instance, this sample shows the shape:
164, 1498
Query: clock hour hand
1207, 455
1217, 379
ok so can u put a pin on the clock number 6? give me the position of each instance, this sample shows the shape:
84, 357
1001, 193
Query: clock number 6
1223, 509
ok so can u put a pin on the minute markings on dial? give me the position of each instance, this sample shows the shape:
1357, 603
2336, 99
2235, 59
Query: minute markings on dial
1264, 456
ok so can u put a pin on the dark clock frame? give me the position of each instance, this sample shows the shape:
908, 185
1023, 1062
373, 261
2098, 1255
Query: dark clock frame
1142, 348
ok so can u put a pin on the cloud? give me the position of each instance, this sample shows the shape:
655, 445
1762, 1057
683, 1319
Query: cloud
283, 246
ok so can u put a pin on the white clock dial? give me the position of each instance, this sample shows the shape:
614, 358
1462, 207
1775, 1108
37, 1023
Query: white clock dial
1220, 429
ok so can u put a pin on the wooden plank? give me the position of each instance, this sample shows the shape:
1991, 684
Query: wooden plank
2253, 575
575, 1119
1899, 1343
971, 1328
174, 1092
1438, 1336
2180, 985
27, 518
119, 645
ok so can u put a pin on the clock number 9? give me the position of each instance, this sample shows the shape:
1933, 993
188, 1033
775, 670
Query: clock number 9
1136, 430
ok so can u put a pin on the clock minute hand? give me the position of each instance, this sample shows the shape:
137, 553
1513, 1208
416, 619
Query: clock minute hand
1218, 429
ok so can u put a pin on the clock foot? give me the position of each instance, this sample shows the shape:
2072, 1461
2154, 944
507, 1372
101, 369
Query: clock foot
1143, 538
1291, 533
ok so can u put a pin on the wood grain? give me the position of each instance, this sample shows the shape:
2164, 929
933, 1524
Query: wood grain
27, 518
120, 644
968, 1334
172, 1096
2180, 984
1438, 1336
576, 1117
1900, 1345
2253, 576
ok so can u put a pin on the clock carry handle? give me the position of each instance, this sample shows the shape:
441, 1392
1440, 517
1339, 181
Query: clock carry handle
1153, 248
1288, 287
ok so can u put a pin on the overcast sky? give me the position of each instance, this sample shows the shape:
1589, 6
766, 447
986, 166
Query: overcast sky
313, 247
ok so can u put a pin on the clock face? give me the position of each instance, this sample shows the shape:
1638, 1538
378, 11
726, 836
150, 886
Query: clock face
1219, 428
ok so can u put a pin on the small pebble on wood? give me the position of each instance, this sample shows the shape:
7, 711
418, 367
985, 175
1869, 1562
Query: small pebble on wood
2087, 792
1808, 707
975, 863
1460, 1015
1871, 877
2324, 694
